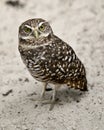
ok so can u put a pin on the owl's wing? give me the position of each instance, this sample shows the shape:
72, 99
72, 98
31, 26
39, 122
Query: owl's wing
69, 67
58, 61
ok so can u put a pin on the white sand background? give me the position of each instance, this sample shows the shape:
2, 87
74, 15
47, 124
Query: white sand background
81, 24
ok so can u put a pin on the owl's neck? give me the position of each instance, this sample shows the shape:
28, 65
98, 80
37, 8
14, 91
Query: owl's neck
34, 42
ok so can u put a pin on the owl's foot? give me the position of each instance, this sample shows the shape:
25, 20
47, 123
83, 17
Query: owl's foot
43, 102
53, 101
42, 94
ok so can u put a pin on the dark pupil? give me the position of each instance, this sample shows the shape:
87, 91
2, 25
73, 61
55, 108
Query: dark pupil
42, 27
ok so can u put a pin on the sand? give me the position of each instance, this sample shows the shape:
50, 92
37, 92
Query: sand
80, 23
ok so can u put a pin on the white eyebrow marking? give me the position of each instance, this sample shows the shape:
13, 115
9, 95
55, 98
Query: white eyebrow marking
41, 23
29, 27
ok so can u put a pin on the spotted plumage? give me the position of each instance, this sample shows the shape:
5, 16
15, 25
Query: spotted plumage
48, 58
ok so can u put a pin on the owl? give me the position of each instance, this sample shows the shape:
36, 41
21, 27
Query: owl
48, 58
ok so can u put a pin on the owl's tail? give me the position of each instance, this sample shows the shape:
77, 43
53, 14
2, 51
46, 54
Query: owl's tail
79, 84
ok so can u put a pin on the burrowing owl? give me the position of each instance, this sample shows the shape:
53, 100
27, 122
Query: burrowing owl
48, 58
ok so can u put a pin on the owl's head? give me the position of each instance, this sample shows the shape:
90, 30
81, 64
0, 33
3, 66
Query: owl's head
34, 29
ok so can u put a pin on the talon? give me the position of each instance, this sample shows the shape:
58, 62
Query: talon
52, 103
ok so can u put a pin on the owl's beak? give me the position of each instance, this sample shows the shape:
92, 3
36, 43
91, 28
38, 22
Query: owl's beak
36, 34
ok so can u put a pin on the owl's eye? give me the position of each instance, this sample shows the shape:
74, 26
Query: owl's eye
27, 30
42, 28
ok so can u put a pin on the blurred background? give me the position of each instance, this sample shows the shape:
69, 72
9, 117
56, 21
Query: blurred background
80, 23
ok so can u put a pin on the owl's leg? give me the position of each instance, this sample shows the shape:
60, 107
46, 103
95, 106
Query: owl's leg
53, 100
44, 89
54, 94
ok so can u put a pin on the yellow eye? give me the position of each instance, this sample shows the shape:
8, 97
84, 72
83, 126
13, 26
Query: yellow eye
27, 30
42, 28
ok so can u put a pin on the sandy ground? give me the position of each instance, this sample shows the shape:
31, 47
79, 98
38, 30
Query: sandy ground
81, 24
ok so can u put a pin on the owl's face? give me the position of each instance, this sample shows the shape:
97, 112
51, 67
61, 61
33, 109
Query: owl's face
34, 29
